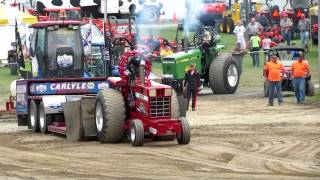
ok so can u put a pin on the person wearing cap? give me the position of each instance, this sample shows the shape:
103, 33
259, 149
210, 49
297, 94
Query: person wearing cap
286, 25
300, 70
253, 27
192, 82
273, 70
304, 26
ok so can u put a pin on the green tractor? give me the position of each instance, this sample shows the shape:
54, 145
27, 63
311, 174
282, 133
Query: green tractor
221, 72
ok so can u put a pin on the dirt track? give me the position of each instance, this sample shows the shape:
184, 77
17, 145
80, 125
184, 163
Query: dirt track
233, 137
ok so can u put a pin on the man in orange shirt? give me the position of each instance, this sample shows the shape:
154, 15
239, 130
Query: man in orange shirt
300, 71
273, 71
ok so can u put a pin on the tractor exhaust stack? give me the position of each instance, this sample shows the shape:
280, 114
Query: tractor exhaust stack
141, 72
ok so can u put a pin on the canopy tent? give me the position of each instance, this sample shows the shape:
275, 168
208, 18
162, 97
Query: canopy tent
9, 14
8, 17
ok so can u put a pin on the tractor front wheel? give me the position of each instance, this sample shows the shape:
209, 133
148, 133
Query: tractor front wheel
309, 88
184, 136
110, 114
33, 117
224, 75
136, 134
266, 88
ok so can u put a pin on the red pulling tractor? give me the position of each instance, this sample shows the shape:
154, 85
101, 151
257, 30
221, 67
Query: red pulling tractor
138, 106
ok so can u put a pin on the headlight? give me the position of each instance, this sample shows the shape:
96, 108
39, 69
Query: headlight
285, 75
152, 93
168, 92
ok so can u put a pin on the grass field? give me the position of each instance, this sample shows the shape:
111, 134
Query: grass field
5, 80
251, 78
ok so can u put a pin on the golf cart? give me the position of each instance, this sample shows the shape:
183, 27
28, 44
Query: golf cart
287, 55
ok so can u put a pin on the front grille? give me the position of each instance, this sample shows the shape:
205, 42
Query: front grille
160, 107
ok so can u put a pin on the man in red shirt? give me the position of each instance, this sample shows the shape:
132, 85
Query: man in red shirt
300, 71
273, 71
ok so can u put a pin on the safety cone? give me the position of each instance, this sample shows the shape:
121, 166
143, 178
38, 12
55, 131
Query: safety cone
174, 18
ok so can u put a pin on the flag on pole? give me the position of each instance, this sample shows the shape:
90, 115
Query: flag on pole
19, 53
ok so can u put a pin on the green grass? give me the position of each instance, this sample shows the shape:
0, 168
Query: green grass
5, 80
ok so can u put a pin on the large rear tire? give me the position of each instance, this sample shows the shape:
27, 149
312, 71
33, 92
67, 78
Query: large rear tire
229, 26
224, 75
309, 88
184, 136
149, 15
33, 117
44, 120
223, 25
110, 114
13, 66
136, 133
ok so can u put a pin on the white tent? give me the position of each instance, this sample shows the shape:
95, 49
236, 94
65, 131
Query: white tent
8, 17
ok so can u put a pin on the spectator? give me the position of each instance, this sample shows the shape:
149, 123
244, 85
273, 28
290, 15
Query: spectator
286, 25
192, 81
255, 48
253, 27
239, 30
273, 70
165, 50
266, 45
300, 71
304, 26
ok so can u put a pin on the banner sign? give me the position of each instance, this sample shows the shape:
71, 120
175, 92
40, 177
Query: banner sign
82, 87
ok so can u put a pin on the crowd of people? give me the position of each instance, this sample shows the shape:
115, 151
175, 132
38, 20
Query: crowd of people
273, 68
249, 37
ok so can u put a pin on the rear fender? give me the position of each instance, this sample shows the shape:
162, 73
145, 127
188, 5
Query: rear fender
116, 82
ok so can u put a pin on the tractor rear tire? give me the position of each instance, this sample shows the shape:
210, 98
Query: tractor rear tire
263, 20
230, 26
33, 117
309, 88
149, 15
44, 120
266, 89
224, 75
223, 25
22, 120
184, 136
136, 133
13, 67
110, 115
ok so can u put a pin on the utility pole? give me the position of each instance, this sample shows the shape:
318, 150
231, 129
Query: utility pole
246, 9
107, 49
318, 40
